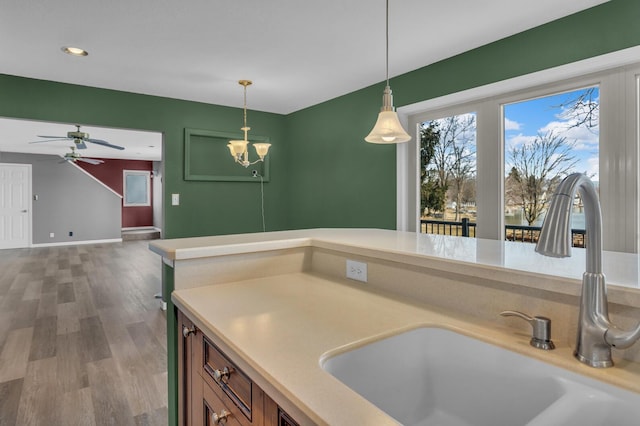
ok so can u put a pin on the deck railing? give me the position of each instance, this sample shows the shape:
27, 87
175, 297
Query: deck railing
465, 228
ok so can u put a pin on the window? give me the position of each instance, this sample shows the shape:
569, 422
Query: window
136, 188
447, 174
607, 149
546, 139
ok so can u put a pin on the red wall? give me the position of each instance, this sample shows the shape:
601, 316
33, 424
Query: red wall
111, 174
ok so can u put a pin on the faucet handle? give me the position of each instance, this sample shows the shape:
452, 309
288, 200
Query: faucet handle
541, 337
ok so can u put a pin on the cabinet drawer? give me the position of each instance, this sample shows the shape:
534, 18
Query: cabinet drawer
218, 370
214, 407
284, 419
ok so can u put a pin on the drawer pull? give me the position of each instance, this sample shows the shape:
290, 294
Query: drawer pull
220, 419
223, 375
186, 331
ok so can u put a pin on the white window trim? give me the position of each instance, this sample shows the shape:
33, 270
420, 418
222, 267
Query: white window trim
144, 173
619, 181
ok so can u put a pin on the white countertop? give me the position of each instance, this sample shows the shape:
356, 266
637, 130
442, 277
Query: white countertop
280, 327
621, 269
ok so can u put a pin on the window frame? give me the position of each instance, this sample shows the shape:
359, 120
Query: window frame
618, 78
144, 173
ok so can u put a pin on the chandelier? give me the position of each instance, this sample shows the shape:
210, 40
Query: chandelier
238, 148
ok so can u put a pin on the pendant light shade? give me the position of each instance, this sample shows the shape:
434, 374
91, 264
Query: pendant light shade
387, 128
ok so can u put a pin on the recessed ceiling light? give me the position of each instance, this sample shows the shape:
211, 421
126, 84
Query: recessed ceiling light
75, 51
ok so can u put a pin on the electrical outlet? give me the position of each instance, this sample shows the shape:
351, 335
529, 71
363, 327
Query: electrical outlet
175, 199
51, 235
357, 270
71, 233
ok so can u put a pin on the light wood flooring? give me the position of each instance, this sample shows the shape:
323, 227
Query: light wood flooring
82, 339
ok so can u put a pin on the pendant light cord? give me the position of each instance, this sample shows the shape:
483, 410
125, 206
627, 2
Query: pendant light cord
387, 36
255, 175
264, 227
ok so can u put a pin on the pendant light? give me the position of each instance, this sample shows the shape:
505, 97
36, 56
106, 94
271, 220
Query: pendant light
238, 148
388, 128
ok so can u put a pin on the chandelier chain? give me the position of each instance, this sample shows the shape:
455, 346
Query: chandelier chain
245, 106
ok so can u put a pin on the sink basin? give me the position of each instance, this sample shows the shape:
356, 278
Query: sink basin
433, 376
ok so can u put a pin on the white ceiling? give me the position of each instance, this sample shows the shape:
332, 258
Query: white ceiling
298, 53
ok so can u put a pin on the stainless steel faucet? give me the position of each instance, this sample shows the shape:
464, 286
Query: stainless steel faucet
596, 334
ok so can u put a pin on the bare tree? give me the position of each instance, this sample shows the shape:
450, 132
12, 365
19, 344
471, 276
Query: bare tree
441, 153
451, 149
460, 130
537, 168
582, 110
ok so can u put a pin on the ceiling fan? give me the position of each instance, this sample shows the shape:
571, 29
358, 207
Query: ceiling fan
74, 156
79, 138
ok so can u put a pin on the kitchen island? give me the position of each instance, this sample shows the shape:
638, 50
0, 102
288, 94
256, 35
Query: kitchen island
278, 304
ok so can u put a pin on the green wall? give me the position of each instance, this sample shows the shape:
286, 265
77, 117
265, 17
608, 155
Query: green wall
323, 174
206, 208
338, 180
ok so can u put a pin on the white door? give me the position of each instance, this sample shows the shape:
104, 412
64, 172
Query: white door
15, 205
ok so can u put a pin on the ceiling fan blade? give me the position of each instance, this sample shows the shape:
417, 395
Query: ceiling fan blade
103, 143
90, 161
53, 137
50, 140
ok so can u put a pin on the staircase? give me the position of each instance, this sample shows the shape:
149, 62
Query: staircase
140, 234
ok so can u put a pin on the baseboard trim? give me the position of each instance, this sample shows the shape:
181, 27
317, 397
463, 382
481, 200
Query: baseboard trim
76, 243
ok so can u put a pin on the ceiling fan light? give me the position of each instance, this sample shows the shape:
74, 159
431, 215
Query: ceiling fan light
74, 51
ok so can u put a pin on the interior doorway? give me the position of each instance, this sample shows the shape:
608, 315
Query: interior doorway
76, 194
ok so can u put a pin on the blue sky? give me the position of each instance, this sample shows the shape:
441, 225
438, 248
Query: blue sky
526, 119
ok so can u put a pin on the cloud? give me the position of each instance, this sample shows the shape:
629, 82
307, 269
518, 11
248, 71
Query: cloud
582, 138
511, 125
518, 141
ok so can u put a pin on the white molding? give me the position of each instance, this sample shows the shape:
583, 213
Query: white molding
74, 243
551, 75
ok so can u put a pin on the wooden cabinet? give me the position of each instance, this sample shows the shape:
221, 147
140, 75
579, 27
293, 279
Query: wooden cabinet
189, 384
212, 390
276, 416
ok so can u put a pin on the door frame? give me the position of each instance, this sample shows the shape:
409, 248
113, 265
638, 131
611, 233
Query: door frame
29, 192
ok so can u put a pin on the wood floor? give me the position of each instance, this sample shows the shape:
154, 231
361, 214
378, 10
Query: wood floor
82, 339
